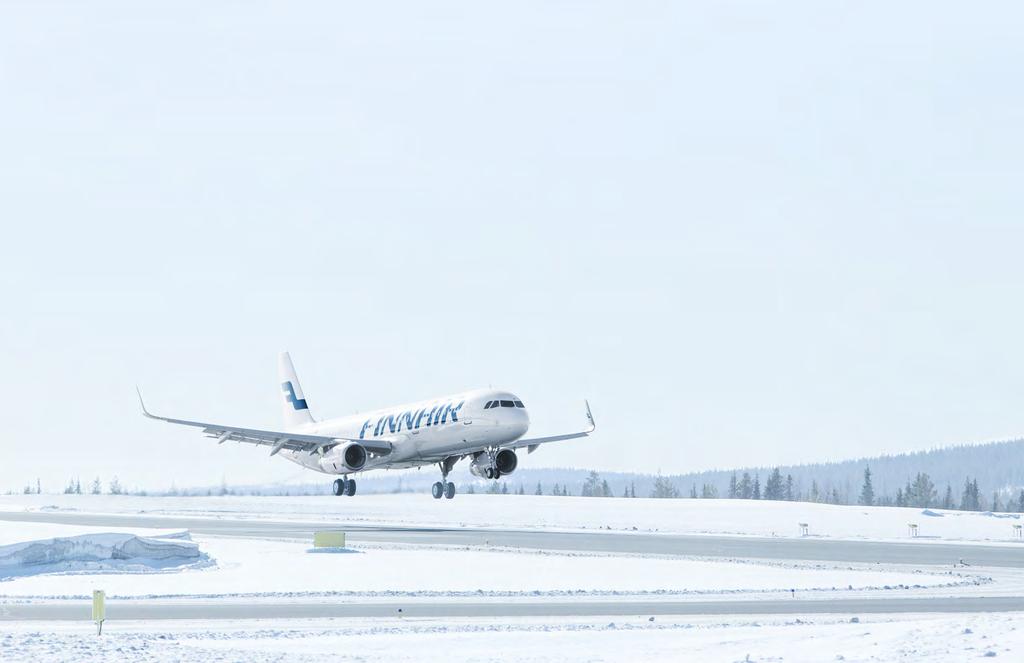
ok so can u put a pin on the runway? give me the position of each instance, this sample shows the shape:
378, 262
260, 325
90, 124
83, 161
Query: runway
748, 547
263, 609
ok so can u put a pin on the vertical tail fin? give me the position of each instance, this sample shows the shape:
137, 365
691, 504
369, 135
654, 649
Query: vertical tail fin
293, 402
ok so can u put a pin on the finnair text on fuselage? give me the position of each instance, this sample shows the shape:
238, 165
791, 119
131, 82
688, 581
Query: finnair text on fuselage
391, 423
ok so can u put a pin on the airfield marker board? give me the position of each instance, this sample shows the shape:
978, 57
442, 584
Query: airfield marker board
99, 609
328, 539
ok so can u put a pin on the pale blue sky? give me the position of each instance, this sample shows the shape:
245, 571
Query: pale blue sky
749, 232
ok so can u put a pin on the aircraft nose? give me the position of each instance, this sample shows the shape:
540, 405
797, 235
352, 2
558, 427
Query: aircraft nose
523, 424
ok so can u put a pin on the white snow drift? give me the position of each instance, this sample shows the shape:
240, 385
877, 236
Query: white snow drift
108, 552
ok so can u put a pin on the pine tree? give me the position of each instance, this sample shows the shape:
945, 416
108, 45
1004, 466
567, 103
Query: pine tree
663, 488
78, 486
504, 488
835, 496
115, 486
625, 492
709, 492
632, 489
900, 499
867, 493
773, 488
693, 492
539, 490
971, 500
790, 494
555, 491
922, 492
757, 488
947, 501
815, 492
39, 487
746, 487
590, 486
520, 491
995, 502
734, 490
96, 486
606, 490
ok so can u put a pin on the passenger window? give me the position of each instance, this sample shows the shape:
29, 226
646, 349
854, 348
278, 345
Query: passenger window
507, 404
520, 404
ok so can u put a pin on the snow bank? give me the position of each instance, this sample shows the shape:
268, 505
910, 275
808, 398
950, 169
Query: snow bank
100, 553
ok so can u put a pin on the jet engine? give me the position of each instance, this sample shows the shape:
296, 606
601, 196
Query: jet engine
348, 457
505, 462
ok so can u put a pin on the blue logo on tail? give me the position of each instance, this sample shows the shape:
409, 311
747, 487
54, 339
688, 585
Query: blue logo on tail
297, 403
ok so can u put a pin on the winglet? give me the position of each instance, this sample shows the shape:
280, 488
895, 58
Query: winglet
590, 417
143, 404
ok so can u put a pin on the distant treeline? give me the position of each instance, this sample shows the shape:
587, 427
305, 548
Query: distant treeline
978, 477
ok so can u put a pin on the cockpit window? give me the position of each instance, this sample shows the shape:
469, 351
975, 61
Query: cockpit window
519, 404
489, 405
507, 404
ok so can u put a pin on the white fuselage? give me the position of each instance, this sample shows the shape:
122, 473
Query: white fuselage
423, 432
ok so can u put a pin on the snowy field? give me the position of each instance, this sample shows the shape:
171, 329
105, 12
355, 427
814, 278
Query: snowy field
252, 567
810, 639
681, 516
203, 568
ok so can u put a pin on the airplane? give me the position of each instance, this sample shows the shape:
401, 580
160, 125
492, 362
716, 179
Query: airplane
485, 425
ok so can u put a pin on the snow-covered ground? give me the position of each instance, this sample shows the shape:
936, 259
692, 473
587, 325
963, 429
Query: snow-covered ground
245, 570
811, 639
684, 516
283, 568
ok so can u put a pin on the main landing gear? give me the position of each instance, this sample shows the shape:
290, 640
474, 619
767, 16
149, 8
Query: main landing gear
444, 488
345, 487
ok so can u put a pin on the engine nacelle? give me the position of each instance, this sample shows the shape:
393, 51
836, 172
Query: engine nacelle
505, 462
348, 457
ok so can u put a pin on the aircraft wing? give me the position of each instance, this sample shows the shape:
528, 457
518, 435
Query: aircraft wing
534, 442
276, 439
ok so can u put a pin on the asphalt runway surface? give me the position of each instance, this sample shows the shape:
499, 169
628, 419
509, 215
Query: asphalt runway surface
263, 609
924, 554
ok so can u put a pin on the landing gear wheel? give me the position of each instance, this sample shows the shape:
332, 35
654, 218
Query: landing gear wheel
437, 490
497, 474
489, 473
339, 487
350, 490
449, 491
